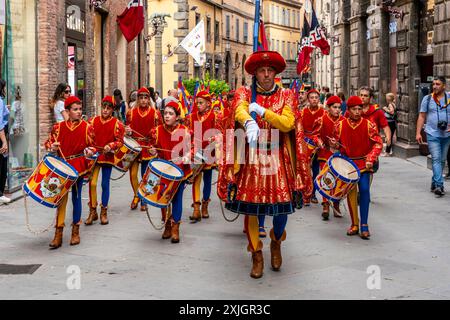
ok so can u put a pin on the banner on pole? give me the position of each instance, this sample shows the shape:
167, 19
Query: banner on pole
194, 43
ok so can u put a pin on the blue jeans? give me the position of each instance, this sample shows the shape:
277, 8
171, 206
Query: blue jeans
438, 148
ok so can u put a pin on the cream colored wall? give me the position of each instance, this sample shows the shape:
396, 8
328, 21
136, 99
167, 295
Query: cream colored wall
169, 75
277, 28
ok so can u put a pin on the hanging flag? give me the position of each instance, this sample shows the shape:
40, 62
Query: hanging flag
306, 48
131, 21
194, 43
318, 38
263, 44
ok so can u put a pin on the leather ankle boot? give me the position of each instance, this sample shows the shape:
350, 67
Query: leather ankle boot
57, 240
167, 234
205, 214
175, 232
196, 216
93, 216
75, 239
258, 265
104, 215
275, 250
325, 210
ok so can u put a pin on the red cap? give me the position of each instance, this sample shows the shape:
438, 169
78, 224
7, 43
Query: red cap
354, 101
204, 95
108, 99
332, 100
312, 91
71, 100
143, 90
173, 104
265, 59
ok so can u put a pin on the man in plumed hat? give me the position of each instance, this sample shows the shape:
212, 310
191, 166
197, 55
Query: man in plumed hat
266, 186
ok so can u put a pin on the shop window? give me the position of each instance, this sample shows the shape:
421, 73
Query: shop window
18, 69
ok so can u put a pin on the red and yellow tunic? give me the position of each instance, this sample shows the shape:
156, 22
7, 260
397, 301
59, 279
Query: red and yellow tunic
107, 132
142, 121
73, 137
165, 140
204, 126
359, 140
308, 117
323, 129
375, 115
270, 182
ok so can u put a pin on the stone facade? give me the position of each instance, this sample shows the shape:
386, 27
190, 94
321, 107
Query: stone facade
391, 53
100, 59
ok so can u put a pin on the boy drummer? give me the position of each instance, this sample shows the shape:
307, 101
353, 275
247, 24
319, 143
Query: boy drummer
72, 140
358, 139
109, 133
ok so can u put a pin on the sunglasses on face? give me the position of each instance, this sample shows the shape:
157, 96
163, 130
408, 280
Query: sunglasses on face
143, 97
67, 91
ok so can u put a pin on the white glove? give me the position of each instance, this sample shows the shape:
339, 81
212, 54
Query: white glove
254, 107
252, 131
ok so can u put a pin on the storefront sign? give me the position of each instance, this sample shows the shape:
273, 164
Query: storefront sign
74, 21
401, 39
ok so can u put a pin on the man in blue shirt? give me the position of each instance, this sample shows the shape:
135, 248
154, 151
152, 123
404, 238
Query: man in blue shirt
4, 115
435, 111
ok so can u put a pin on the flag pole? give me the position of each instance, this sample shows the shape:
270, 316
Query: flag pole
255, 48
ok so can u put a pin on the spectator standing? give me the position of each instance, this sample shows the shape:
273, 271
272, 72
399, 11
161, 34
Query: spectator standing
4, 115
390, 112
435, 111
62, 91
120, 106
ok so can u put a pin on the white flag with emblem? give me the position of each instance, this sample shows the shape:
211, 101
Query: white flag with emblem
194, 43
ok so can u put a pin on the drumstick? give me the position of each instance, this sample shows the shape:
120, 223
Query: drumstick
337, 142
59, 149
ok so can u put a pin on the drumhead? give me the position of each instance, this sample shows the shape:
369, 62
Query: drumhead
132, 144
61, 166
168, 169
343, 167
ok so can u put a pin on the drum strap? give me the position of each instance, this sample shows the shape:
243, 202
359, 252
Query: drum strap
359, 158
74, 156
141, 139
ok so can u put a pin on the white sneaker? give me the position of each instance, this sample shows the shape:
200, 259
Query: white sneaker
4, 199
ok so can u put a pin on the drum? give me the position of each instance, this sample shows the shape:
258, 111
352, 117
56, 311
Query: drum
125, 155
312, 147
197, 166
50, 181
337, 178
160, 183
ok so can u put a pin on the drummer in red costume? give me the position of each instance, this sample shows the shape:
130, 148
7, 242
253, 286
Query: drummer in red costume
139, 124
266, 187
109, 133
73, 140
323, 130
358, 139
202, 121
165, 138
309, 115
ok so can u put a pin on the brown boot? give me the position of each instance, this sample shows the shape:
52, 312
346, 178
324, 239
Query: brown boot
275, 250
196, 216
75, 239
258, 264
325, 210
205, 214
57, 241
104, 215
175, 232
167, 234
93, 216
